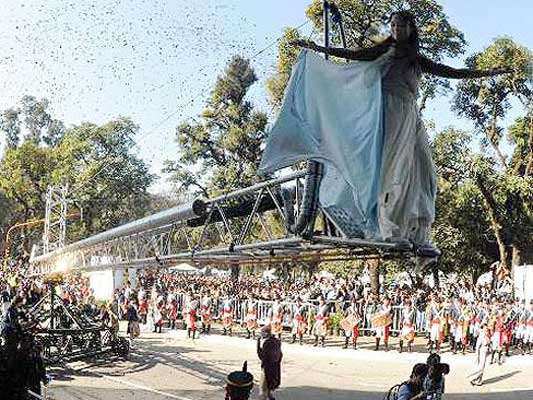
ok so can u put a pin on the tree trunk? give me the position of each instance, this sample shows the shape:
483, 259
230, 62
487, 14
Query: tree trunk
505, 264
436, 278
496, 226
516, 258
373, 267
234, 272
492, 137
529, 166
312, 267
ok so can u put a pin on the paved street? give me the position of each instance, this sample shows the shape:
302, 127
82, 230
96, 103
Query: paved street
170, 366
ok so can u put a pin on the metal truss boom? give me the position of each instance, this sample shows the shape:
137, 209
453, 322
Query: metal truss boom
247, 226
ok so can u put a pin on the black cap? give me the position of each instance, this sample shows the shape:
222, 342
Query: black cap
240, 379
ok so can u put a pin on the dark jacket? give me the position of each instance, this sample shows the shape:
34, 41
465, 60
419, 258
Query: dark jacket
270, 355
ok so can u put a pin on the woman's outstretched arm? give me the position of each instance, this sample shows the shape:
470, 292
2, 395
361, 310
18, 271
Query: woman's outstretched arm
445, 71
366, 54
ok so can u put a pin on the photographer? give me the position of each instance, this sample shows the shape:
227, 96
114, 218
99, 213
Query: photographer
35, 369
11, 328
434, 382
412, 389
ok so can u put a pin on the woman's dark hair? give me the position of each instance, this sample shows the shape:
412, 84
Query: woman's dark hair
420, 370
413, 39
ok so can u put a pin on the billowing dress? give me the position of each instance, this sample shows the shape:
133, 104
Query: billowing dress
361, 120
408, 187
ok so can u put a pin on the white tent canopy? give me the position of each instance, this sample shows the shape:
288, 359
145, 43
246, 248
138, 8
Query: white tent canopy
183, 267
270, 274
220, 272
484, 279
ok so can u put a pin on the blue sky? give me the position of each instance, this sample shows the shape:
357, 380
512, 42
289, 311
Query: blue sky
155, 60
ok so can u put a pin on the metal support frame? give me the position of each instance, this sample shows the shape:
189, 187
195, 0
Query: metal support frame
246, 226
55, 222
67, 334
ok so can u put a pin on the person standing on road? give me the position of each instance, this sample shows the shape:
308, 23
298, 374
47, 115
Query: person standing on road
192, 308
321, 321
132, 317
34, 368
207, 308
482, 351
408, 327
270, 355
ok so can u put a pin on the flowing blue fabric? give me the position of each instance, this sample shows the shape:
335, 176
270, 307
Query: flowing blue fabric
333, 113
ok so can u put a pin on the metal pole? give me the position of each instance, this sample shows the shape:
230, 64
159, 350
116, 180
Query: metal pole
325, 17
52, 294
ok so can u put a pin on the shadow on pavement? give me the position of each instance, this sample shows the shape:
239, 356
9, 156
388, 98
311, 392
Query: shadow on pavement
291, 393
501, 378
312, 393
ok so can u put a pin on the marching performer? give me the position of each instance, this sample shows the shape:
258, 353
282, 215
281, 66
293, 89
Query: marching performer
528, 338
276, 318
408, 327
383, 313
350, 324
435, 318
172, 310
206, 310
299, 324
509, 322
157, 316
321, 319
251, 317
185, 309
521, 326
496, 335
452, 317
473, 328
227, 315
459, 331
191, 316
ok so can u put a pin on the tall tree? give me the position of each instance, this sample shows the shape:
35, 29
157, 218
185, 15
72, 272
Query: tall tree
34, 120
366, 23
505, 185
10, 125
222, 150
25, 173
106, 178
461, 227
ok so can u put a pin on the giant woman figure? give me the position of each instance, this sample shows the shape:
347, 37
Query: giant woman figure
407, 187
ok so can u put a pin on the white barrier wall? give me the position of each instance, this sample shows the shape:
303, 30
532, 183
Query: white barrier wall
523, 281
103, 283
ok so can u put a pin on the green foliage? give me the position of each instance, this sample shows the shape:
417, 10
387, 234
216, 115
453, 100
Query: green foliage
34, 119
365, 24
24, 177
336, 318
343, 268
287, 56
221, 152
486, 101
505, 187
106, 179
11, 126
519, 135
